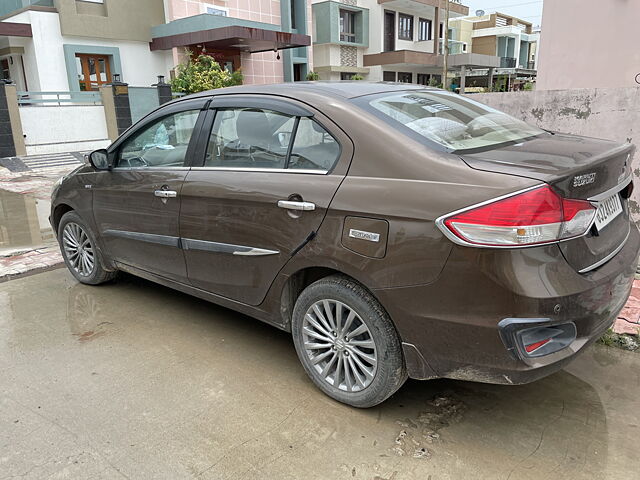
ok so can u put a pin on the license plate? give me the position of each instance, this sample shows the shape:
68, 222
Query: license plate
608, 209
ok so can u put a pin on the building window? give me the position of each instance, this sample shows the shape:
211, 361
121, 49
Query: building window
423, 79
440, 34
389, 76
92, 1
424, 29
292, 4
347, 26
93, 71
218, 11
405, 77
405, 27
346, 75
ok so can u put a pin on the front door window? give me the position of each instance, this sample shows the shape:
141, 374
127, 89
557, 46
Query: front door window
93, 71
162, 144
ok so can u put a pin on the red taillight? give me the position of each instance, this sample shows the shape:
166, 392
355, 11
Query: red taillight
533, 217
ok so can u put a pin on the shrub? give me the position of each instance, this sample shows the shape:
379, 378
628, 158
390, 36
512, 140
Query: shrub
201, 74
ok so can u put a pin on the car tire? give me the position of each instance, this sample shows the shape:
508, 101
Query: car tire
79, 251
368, 365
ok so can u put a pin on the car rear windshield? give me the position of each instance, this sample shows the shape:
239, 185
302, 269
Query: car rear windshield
448, 119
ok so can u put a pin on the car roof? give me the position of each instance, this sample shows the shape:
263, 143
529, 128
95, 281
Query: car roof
344, 89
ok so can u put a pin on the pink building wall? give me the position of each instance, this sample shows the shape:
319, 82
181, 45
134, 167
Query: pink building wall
257, 68
589, 44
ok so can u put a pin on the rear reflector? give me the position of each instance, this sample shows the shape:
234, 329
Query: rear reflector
533, 217
534, 346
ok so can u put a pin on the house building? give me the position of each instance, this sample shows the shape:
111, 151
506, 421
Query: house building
509, 38
268, 39
78, 45
390, 40
599, 45
73, 45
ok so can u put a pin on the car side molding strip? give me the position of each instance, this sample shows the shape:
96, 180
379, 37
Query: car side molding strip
145, 237
244, 250
191, 244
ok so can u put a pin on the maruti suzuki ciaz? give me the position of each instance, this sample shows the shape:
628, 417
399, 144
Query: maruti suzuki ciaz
396, 231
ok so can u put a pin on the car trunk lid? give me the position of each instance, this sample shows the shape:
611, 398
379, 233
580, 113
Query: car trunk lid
579, 168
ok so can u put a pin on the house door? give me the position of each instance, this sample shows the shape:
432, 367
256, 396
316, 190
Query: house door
389, 31
93, 71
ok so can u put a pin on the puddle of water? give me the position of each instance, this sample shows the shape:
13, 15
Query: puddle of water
24, 223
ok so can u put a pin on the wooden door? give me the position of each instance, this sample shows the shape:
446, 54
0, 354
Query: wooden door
389, 31
93, 71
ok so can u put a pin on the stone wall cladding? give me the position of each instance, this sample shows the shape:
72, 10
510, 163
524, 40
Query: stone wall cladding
348, 56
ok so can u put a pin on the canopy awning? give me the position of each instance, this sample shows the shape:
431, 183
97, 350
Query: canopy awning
10, 29
235, 37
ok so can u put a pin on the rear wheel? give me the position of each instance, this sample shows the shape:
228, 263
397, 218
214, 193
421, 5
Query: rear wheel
78, 246
347, 342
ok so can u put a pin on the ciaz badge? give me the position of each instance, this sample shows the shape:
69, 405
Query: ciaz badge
586, 179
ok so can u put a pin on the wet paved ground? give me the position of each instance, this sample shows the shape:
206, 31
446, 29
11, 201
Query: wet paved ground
132, 380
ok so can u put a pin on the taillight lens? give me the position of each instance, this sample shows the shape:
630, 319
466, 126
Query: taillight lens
533, 217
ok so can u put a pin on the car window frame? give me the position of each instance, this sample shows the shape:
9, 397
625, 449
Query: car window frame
265, 102
199, 104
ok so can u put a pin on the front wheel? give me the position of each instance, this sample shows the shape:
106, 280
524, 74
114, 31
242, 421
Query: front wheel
347, 342
79, 251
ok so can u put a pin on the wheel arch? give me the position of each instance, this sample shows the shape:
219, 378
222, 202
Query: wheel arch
302, 278
57, 215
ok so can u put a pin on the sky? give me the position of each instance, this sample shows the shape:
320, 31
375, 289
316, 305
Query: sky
528, 10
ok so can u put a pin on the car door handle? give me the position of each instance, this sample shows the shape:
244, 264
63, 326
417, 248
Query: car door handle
165, 193
289, 205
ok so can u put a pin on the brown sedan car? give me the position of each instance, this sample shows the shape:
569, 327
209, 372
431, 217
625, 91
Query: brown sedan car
394, 230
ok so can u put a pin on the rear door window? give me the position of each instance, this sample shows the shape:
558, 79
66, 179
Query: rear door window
253, 138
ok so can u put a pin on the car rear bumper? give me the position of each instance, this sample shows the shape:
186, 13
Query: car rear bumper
451, 328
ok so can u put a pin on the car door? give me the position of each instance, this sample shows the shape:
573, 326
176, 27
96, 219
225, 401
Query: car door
136, 204
270, 169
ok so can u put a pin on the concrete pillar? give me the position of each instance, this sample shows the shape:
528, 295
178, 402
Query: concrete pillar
435, 35
463, 77
164, 91
121, 105
11, 134
490, 80
109, 111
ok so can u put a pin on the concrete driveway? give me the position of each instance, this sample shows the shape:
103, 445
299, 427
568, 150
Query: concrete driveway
132, 380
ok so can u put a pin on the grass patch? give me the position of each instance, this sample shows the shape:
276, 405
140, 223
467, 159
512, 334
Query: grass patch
623, 341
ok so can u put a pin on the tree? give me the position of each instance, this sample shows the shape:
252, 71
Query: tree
201, 74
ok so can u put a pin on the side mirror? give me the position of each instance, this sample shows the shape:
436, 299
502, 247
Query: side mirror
99, 159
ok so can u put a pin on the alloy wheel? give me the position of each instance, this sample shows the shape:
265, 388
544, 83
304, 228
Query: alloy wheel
339, 345
78, 249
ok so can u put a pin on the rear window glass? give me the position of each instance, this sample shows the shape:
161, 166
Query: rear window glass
448, 119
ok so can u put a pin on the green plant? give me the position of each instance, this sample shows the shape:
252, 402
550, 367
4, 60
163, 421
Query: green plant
201, 74
528, 86
357, 76
312, 76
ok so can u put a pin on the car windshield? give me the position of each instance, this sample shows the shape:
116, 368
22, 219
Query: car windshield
450, 120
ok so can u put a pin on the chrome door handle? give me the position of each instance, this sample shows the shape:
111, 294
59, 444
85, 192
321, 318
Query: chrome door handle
165, 193
289, 205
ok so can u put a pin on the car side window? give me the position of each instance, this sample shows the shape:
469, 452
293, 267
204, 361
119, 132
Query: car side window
313, 148
164, 143
249, 138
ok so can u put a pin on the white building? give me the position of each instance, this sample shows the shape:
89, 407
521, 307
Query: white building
391, 40
69, 45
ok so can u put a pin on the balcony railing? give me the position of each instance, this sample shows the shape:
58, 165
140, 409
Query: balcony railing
59, 98
507, 62
456, 47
